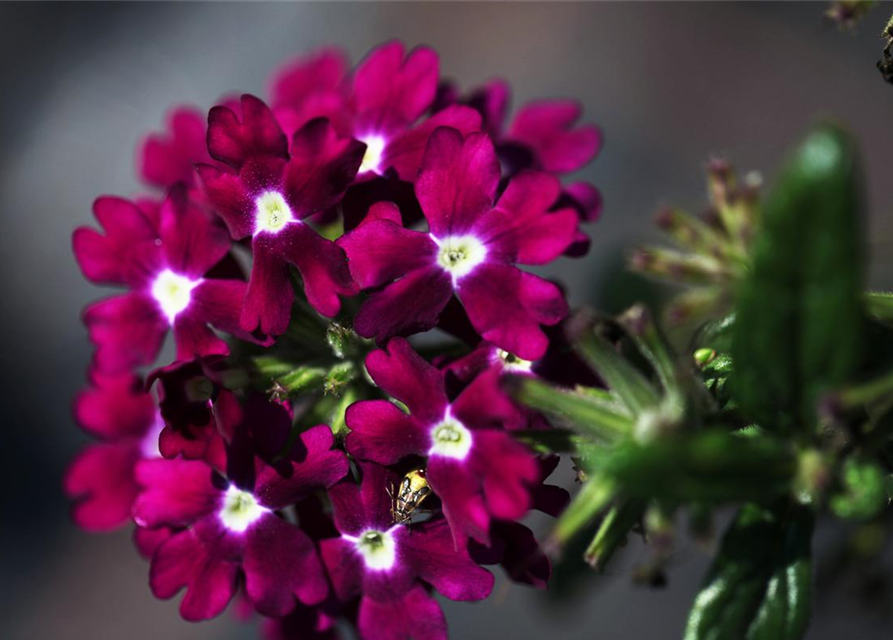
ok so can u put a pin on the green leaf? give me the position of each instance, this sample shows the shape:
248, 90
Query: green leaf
710, 466
798, 324
864, 491
622, 378
612, 532
759, 585
588, 413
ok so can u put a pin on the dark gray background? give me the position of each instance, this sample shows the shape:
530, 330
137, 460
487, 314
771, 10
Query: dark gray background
670, 84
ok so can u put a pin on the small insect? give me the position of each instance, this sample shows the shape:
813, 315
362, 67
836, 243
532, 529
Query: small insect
412, 491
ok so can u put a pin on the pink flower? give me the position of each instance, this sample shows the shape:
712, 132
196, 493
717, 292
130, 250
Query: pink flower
478, 470
470, 250
267, 194
164, 259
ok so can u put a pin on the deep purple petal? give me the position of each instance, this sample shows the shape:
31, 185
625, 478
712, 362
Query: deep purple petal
100, 480
406, 376
233, 141
390, 92
280, 564
492, 101
410, 305
110, 258
405, 151
167, 158
379, 251
483, 402
520, 228
321, 468
459, 490
148, 540
195, 339
219, 303
519, 553
127, 330
507, 307
114, 407
548, 128
267, 304
174, 493
457, 181
298, 79
192, 241
508, 470
321, 167
344, 567
381, 432
322, 263
415, 615
230, 198
204, 560
431, 553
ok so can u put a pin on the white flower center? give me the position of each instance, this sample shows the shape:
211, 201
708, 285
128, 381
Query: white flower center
374, 151
511, 362
240, 509
173, 292
459, 255
273, 213
378, 548
451, 439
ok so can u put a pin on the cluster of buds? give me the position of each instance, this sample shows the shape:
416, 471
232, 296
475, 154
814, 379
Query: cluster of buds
713, 249
299, 453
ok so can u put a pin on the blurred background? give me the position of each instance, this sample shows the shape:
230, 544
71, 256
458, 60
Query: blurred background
670, 84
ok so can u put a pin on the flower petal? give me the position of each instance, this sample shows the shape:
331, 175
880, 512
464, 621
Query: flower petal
100, 479
202, 559
548, 128
415, 615
406, 376
192, 241
322, 263
280, 564
169, 157
233, 141
381, 432
127, 330
409, 305
432, 555
267, 304
380, 251
390, 92
321, 167
457, 181
507, 307
174, 493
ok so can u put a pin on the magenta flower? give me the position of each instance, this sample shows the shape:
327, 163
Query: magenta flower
164, 263
478, 470
471, 249
168, 158
378, 104
267, 196
227, 529
101, 479
390, 566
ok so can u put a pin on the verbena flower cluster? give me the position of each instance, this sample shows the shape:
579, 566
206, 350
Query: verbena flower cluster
289, 247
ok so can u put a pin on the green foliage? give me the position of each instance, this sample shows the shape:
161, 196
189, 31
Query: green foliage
798, 315
759, 585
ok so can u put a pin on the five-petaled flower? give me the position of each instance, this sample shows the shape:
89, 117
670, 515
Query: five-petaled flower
470, 250
477, 469
390, 567
267, 194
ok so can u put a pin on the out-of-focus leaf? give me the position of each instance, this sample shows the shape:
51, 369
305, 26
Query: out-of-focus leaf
864, 491
709, 466
624, 380
759, 585
798, 323
612, 532
588, 413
